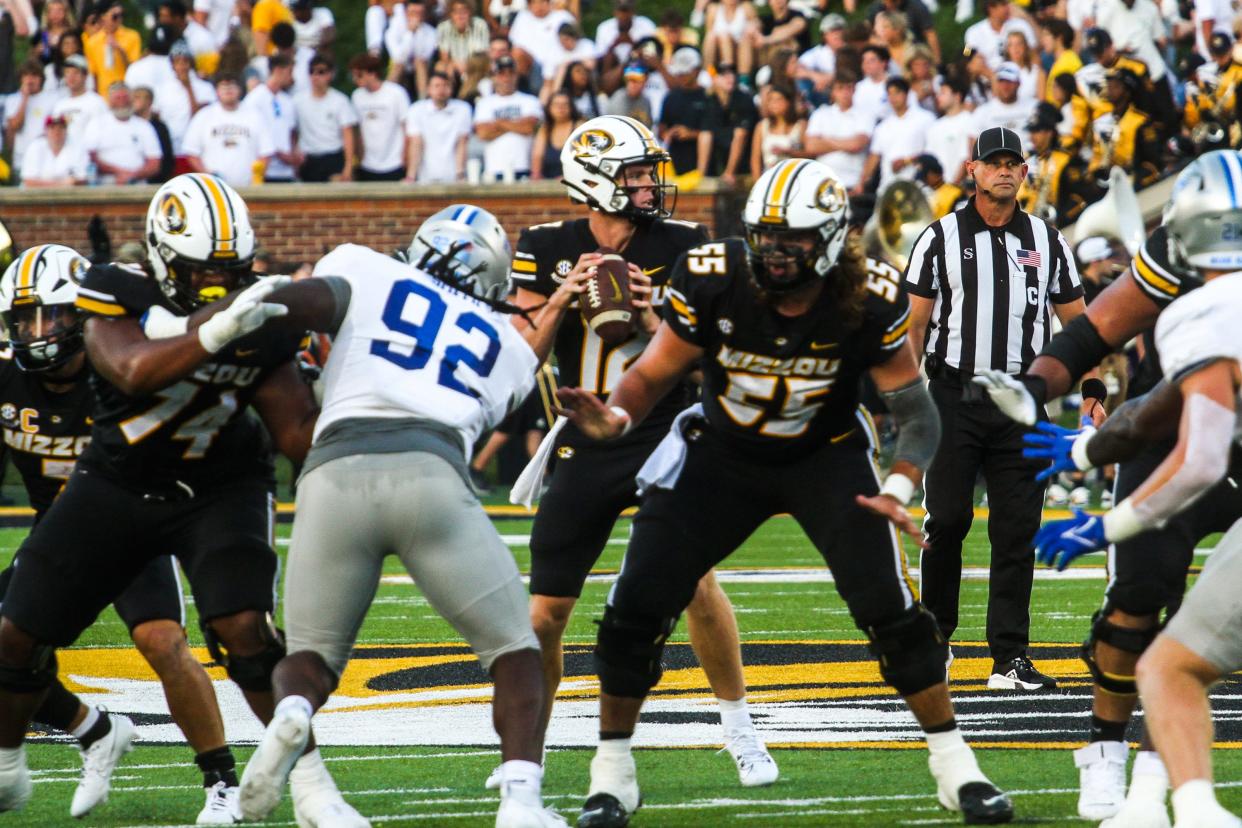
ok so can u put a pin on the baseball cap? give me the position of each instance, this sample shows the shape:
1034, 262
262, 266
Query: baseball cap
832, 22
1220, 43
1009, 71
55, 120
180, 49
504, 63
926, 164
1126, 77
1045, 116
997, 139
1092, 249
162, 39
1097, 40
686, 60
78, 62
570, 29
636, 70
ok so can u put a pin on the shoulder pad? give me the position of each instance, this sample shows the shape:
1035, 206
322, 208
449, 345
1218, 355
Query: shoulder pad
115, 290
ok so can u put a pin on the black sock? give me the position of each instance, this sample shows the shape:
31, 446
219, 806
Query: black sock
610, 735
101, 728
945, 727
217, 766
1103, 730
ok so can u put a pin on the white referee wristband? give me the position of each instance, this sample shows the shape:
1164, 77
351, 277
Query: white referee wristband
1122, 522
1078, 451
625, 415
899, 487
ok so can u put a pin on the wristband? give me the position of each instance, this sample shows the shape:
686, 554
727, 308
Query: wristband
1122, 522
1094, 389
625, 415
899, 487
1078, 450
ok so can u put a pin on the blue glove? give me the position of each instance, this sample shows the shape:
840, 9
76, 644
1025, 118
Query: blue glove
1061, 541
1052, 442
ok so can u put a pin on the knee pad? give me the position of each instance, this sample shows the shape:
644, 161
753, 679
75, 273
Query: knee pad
33, 677
910, 649
253, 672
627, 652
1126, 639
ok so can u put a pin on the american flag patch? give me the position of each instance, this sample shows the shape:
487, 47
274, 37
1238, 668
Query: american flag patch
1028, 258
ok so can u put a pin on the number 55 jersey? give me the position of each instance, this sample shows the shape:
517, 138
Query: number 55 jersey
780, 387
412, 346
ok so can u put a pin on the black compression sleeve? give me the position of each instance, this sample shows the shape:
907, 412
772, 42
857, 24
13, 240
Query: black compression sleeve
1079, 347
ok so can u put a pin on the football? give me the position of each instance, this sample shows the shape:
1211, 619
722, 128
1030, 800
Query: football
606, 303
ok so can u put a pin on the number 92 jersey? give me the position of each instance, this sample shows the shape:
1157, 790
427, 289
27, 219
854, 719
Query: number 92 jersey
778, 387
195, 432
545, 255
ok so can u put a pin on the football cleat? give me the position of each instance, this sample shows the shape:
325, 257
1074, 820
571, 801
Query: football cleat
493, 779
755, 766
613, 796
98, 762
982, 803
221, 807
1139, 813
15, 783
961, 786
515, 814
603, 811
317, 802
1102, 779
263, 781
1019, 674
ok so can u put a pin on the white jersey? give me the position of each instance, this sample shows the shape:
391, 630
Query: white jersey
412, 346
1199, 327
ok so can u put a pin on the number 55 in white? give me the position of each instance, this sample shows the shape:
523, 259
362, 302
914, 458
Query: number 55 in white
803, 398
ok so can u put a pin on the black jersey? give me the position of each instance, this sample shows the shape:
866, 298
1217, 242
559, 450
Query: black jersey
197, 431
779, 386
45, 432
545, 255
1154, 272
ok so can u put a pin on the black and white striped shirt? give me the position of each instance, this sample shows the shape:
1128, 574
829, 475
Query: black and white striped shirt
993, 287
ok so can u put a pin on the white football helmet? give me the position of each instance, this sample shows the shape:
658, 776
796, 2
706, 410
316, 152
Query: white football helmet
1204, 214
595, 157
198, 223
465, 246
37, 295
795, 197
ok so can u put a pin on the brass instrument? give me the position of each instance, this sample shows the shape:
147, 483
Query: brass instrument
902, 212
1210, 132
1043, 192
1117, 214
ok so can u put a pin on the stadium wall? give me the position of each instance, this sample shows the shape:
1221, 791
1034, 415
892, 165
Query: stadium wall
301, 222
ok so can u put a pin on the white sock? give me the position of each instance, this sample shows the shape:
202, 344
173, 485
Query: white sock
300, 703
938, 744
12, 757
613, 747
523, 781
310, 769
1192, 799
1148, 778
92, 716
735, 715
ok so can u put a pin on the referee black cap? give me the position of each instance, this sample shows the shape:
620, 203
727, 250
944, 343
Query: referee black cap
997, 139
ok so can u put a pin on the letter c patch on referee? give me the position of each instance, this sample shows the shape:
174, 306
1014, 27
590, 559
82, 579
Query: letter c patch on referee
1032, 296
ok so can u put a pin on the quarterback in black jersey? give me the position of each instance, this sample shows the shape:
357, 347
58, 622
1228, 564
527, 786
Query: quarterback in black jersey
1148, 572
45, 406
611, 165
783, 325
176, 463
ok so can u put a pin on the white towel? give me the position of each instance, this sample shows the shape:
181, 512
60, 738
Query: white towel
529, 485
664, 465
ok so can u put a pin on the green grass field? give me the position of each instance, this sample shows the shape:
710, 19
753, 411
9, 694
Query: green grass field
409, 738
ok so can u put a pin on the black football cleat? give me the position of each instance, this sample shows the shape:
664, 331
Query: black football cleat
983, 803
603, 811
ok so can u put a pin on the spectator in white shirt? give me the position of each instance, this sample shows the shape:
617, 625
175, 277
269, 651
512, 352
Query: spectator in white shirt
381, 106
180, 99
506, 121
411, 43
283, 43
124, 147
216, 15
1030, 72
989, 34
154, 68
1137, 29
1211, 16
500, 14
1005, 109
617, 35
51, 161
202, 45
375, 24
818, 65
80, 106
839, 134
271, 101
26, 110
438, 128
460, 36
871, 93
226, 140
950, 138
534, 34
326, 121
571, 47
898, 139
315, 26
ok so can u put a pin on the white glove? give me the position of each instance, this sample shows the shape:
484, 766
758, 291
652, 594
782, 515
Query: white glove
247, 313
1009, 395
160, 323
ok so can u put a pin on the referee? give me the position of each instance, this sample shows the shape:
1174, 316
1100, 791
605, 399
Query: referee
983, 283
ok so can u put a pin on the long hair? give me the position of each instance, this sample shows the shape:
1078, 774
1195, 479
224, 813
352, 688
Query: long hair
847, 281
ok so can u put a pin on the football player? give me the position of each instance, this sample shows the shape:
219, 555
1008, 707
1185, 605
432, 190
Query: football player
46, 420
1201, 232
783, 326
423, 362
175, 463
612, 167
1202, 363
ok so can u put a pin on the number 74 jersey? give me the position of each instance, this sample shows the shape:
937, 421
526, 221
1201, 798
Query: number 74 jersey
782, 386
410, 345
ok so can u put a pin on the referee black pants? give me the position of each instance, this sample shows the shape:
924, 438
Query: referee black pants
976, 437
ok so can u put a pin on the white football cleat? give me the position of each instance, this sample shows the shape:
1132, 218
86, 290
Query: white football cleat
98, 762
221, 807
1139, 813
15, 783
1102, 779
755, 766
325, 808
962, 787
494, 779
613, 796
263, 782
515, 814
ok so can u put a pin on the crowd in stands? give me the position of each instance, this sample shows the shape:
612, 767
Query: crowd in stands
448, 90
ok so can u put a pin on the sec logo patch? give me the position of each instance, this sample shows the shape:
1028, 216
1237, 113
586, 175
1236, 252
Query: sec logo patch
562, 269
8, 412
565, 452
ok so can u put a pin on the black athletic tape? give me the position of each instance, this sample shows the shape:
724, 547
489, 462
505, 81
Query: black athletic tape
1079, 347
1094, 389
